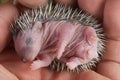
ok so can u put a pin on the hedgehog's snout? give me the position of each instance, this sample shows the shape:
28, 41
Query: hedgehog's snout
27, 56
26, 52
27, 43
24, 60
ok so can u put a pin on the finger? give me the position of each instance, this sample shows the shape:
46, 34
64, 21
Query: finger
91, 75
110, 65
22, 70
33, 3
6, 75
109, 69
67, 2
7, 14
94, 7
112, 19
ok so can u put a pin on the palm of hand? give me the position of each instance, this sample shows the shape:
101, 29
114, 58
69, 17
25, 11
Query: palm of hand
110, 61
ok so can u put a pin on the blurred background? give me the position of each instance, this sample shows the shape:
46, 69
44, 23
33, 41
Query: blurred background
4, 1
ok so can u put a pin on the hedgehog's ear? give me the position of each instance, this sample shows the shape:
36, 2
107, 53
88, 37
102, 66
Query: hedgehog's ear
37, 25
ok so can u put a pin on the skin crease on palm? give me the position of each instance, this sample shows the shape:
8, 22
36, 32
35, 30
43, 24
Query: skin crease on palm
12, 68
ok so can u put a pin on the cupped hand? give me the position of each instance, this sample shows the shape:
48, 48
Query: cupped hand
11, 68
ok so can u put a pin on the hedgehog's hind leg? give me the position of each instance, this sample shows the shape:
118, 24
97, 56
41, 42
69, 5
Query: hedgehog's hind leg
73, 62
86, 49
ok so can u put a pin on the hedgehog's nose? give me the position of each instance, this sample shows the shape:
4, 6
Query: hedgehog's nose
24, 60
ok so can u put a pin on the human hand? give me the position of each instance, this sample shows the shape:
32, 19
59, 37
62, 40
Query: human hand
109, 66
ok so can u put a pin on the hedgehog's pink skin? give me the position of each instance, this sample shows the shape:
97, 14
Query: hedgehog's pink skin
28, 42
55, 39
43, 61
66, 33
86, 50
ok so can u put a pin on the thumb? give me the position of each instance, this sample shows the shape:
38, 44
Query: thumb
8, 13
91, 75
32, 3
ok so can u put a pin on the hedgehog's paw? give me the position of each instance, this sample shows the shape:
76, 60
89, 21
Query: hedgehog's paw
44, 61
35, 65
73, 62
39, 64
71, 65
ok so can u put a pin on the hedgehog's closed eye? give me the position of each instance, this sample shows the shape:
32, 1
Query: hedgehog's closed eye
29, 41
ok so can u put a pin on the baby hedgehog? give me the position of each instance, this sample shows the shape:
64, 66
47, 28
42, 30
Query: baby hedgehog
58, 37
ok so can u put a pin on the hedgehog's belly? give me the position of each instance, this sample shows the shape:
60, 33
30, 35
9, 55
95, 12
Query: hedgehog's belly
69, 42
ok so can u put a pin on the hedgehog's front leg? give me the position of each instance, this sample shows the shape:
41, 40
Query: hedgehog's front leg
66, 33
43, 60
